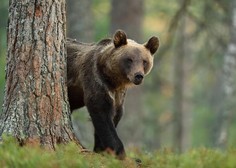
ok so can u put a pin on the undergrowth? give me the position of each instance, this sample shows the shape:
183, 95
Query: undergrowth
12, 155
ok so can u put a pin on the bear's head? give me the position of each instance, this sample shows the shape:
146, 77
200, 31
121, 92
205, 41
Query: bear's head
132, 60
123, 61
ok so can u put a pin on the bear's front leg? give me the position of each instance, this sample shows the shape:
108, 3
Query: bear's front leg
101, 108
98, 146
119, 101
118, 115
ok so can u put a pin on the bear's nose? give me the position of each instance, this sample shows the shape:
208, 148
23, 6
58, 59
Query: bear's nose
138, 78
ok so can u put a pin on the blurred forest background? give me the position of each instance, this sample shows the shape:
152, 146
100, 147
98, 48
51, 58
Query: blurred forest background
188, 100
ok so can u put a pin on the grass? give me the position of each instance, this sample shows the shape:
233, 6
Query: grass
11, 155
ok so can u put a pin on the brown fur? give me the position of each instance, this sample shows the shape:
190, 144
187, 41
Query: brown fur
98, 76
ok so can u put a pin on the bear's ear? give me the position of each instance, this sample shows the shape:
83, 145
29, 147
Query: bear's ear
152, 45
119, 38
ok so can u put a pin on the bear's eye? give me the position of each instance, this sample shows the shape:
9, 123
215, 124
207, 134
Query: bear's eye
129, 60
145, 63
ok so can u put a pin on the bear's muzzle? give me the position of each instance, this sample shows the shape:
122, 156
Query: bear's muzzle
138, 78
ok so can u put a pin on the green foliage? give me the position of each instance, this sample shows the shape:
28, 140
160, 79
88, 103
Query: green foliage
208, 34
202, 121
2, 79
102, 18
232, 133
11, 155
3, 25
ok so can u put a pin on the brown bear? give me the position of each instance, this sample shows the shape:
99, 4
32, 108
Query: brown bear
98, 75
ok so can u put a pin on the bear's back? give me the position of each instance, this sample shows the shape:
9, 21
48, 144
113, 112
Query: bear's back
81, 58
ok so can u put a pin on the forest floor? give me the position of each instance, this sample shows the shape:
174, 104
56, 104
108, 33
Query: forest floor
11, 155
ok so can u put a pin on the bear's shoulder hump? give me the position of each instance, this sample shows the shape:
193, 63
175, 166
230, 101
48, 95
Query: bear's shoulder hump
105, 42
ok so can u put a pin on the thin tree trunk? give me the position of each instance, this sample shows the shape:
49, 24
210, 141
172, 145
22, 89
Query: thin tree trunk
80, 20
128, 15
229, 82
181, 113
179, 87
36, 108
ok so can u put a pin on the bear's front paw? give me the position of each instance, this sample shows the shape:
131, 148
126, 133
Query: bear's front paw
119, 154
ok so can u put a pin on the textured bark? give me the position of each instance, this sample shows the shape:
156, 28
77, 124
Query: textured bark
80, 20
36, 108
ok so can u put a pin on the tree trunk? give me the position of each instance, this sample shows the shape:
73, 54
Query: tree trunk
128, 15
179, 87
181, 108
80, 20
229, 82
36, 109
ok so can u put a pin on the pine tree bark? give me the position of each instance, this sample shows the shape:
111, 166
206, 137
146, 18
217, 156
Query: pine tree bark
36, 109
